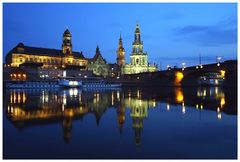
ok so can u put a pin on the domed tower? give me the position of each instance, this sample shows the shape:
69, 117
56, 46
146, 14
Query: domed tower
138, 57
137, 46
120, 53
67, 42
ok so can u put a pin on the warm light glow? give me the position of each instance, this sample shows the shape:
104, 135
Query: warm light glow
138, 93
112, 98
197, 106
179, 95
24, 97
222, 102
178, 77
64, 99
216, 91
154, 103
223, 73
118, 95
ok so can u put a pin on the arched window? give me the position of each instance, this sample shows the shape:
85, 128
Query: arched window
137, 61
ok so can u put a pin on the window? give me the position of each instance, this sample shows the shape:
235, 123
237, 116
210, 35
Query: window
137, 61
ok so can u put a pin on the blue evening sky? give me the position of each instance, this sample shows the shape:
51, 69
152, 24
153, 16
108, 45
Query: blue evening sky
172, 33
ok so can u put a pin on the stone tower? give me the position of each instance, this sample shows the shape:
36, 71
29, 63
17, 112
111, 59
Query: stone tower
120, 53
67, 42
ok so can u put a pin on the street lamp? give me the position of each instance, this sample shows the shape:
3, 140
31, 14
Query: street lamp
183, 65
218, 60
168, 67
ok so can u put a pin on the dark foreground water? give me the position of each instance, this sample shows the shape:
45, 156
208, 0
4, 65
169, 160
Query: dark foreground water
159, 123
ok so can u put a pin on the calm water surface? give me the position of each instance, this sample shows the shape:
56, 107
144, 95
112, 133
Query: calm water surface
159, 123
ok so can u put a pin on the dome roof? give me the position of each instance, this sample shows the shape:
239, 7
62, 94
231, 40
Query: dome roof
20, 45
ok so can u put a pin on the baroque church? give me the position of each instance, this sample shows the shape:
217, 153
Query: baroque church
138, 58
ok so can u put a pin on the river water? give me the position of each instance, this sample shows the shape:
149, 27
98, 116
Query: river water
127, 123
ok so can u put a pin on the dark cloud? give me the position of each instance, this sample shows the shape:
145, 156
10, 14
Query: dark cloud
223, 33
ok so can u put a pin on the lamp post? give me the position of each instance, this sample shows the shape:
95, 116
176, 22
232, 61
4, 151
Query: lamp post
168, 67
218, 59
183, 66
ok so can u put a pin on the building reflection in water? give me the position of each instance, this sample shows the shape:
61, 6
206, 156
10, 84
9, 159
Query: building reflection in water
139, 111
26, 107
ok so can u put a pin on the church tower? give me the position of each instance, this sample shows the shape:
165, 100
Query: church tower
137, 45
67, 42
138, 57
120, 53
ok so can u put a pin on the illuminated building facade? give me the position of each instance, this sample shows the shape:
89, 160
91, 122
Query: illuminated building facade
120, 53
139, 59
98, 64
50, 58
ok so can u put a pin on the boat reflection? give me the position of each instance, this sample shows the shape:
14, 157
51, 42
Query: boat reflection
26, 108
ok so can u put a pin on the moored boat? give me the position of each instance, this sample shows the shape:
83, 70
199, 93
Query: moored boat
31, 84
68, 82
98, 83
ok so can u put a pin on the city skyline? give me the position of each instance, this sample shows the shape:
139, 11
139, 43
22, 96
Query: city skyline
171, 33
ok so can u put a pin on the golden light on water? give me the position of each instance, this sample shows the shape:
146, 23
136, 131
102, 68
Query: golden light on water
196, 106
222, 102
179, 95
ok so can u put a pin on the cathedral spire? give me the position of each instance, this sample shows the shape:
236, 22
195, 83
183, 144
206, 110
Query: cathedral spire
120, 41
98, 51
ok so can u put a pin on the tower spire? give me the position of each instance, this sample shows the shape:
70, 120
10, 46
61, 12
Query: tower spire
120, 52
120, 41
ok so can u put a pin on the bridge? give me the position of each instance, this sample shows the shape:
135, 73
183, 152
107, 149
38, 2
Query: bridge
189, 76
